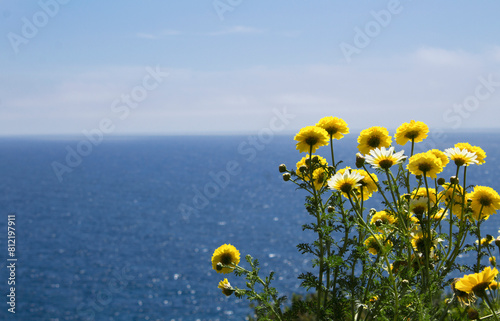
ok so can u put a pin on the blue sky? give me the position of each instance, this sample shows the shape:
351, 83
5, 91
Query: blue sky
65, 66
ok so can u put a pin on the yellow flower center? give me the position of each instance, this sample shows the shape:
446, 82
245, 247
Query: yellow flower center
346, 188
374, 141
420, 244
419, 210
311, 141
485, 201
226, 259
386, 163
332, 130
374, 245
479, 288
412, 134
424, 167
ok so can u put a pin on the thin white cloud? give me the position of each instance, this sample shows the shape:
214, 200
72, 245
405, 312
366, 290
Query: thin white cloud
158, 35
145, 35
236, 30
438, 56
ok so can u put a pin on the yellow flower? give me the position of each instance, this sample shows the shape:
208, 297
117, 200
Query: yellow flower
367, 185
481, 155
417, 241
494, 285
453, 193
485, 241
372, 244
461, 157
422, 192
345, 181
382, 158
225, 254
440, 215
373, 137
419, 206
414, 130
464, 298
311, 137
317, 162
384, 216
485, 201
425, 163
334, 126
477, 282
320, 176
226, 287
439, 154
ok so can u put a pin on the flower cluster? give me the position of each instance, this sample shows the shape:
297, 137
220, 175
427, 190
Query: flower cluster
398, 256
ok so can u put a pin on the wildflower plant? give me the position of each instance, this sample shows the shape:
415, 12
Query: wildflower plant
392, 262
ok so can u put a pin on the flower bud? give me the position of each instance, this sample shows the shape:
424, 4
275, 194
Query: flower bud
489, 238
302, 169
378, 223
497, 242
227, 291
441, 181
282, 168
330, 209
286, 177
419, 177
219, 266
454, 180
360, 160
315, 159
308, 162
493, 260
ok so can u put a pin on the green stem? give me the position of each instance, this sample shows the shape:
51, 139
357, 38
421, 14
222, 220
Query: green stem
260, 299
328, 246
408, 171
449, 207
379, 189
426, 233
386, 260
319, 211
345, 243
479, 245
389, 180
490, 305
333, 157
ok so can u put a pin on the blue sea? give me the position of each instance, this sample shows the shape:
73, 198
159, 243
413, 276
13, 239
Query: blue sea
125, 229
